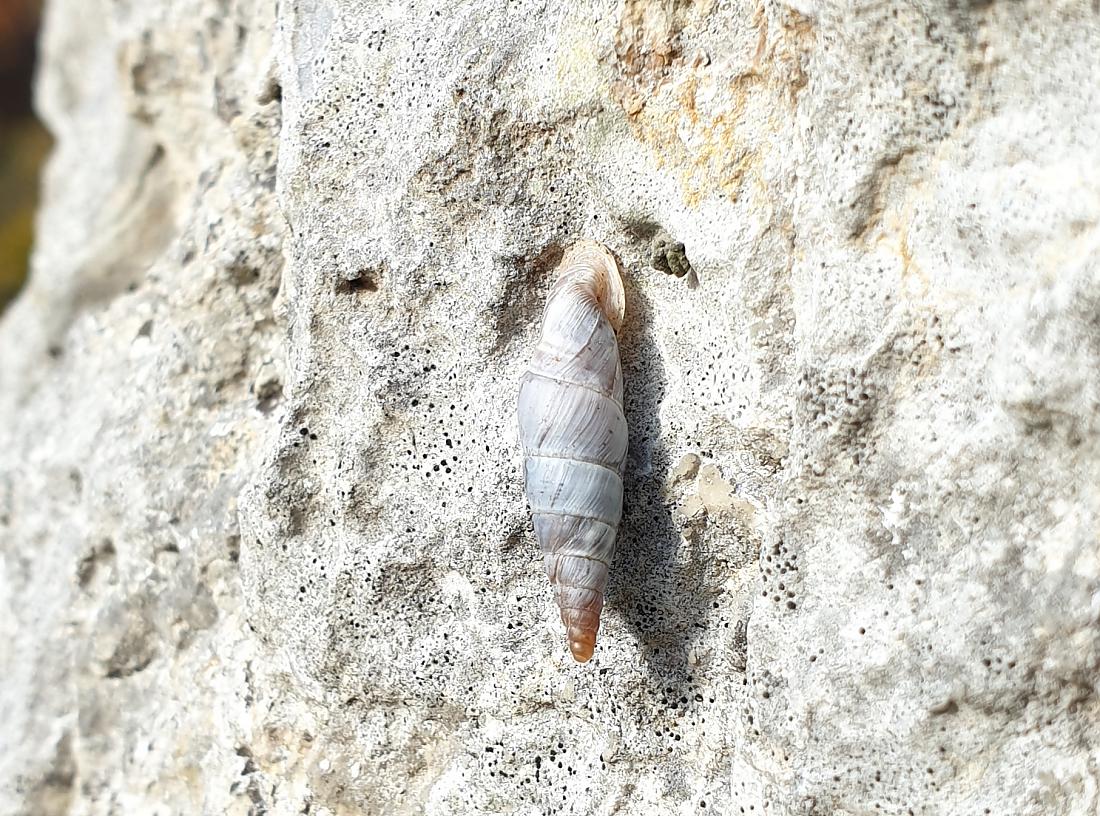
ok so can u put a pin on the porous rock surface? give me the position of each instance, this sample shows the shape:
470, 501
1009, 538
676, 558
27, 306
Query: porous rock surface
263, 541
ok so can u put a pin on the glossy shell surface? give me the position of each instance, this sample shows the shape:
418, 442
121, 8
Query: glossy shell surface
574, 436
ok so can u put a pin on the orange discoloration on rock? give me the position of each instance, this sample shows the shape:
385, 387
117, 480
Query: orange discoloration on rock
715, 122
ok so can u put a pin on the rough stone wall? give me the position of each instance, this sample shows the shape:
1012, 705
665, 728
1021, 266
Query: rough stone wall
263, 541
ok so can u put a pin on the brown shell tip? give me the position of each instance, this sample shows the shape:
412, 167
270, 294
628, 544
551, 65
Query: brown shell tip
582, 650
582, 642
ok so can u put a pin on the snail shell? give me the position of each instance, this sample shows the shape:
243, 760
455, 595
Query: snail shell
574, 436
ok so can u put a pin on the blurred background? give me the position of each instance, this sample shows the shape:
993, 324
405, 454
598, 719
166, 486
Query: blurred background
23, 142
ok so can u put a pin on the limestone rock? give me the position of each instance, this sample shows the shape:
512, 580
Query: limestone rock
265, 547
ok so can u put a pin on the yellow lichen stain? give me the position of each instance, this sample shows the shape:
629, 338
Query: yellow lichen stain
708, 145
796, 39
692, 115
648, 39
894, 225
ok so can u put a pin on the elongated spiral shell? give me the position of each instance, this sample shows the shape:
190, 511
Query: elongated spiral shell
574, 436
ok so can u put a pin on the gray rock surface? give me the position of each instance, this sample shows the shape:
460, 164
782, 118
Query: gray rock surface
263, 542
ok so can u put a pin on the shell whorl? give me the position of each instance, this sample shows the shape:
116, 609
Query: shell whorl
574, 436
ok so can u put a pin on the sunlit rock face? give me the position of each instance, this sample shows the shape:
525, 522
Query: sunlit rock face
264, 545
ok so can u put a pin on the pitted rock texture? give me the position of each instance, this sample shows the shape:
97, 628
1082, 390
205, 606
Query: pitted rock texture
264, 542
